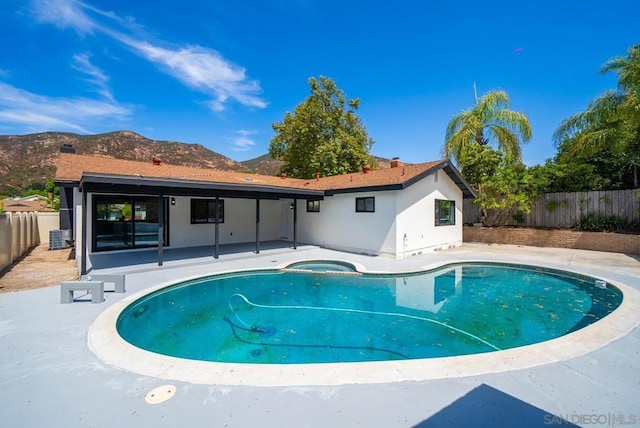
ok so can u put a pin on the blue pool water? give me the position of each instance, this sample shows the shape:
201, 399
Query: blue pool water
323, 266
280, 317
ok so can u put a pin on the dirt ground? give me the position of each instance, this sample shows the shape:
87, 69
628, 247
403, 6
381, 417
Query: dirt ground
40, 267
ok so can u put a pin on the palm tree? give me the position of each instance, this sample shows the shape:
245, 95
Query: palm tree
611, 121
489, 121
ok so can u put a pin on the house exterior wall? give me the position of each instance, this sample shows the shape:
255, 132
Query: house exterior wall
416, 229
402, 225
340, 227
76, 225
239, 223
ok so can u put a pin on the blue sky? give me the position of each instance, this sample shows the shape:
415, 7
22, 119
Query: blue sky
219, 73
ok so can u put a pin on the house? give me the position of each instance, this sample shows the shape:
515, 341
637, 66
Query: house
117, 205
26, 204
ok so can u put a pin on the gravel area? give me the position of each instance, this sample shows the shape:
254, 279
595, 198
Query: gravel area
39, 268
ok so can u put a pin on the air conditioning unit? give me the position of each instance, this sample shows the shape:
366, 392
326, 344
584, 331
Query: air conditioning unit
59, 239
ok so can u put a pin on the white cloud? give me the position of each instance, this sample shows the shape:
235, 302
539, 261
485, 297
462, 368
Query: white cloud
199, 68
41, 113
204, 70
96, 77
63, 14
243, 143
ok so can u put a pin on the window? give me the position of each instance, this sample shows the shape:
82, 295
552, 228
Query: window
445, 212
204, 211
366, 205
124, 222
313, 206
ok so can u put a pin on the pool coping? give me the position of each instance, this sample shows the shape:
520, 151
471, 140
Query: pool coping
105, 342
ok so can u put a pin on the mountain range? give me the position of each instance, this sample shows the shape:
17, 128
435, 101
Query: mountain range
29, 160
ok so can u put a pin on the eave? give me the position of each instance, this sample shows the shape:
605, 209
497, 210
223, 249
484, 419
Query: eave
117, 184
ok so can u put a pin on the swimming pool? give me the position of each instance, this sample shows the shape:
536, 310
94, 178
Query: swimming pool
280, 317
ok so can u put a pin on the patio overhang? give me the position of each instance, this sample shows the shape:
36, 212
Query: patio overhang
138, 185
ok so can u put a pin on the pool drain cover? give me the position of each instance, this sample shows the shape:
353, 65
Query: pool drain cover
160, 394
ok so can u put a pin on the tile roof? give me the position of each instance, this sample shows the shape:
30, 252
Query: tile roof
12, 205
374, 178
71, 167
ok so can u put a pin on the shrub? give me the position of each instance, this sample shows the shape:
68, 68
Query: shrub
601, 223
518, 218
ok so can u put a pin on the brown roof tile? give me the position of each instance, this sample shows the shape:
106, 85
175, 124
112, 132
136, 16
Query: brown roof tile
11, 205
379, 177
71, 167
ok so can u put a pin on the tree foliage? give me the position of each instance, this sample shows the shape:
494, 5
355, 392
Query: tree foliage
609, 129
504, 188
489, 122
324, 134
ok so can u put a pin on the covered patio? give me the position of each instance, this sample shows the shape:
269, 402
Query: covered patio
166, 190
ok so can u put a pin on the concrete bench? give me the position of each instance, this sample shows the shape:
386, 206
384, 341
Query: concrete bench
96, 288
116, 278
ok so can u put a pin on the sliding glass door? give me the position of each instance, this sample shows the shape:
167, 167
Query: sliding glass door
123, 222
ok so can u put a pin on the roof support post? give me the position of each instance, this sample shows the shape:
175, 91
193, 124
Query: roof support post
216, 249
161, 208
83, 241
295, 224
257, 225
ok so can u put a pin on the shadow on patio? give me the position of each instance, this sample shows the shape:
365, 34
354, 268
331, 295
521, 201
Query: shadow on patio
144, 260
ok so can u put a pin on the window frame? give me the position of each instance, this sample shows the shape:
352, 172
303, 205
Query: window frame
313, 206
364, 208
451, 221
207, 219
135, 237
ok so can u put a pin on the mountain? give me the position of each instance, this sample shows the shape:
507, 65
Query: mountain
264, 164
29, 160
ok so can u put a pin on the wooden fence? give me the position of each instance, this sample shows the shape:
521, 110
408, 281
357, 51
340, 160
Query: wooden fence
565, 209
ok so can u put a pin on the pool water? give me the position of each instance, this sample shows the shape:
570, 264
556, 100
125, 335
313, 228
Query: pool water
323, 266
280, 317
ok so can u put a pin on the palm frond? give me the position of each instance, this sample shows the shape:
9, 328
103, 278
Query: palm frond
507, 141
627, 69
514, 121
600, 111
457, 143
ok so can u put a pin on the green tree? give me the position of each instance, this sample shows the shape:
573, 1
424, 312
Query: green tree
51, 187
323, 135
610, 126
489, 122
504, 188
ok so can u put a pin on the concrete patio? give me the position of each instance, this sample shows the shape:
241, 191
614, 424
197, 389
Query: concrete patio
50, 378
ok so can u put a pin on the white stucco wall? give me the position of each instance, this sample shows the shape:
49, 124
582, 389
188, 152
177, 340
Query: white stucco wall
339, 226
416, 229
239, 223
403, 223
